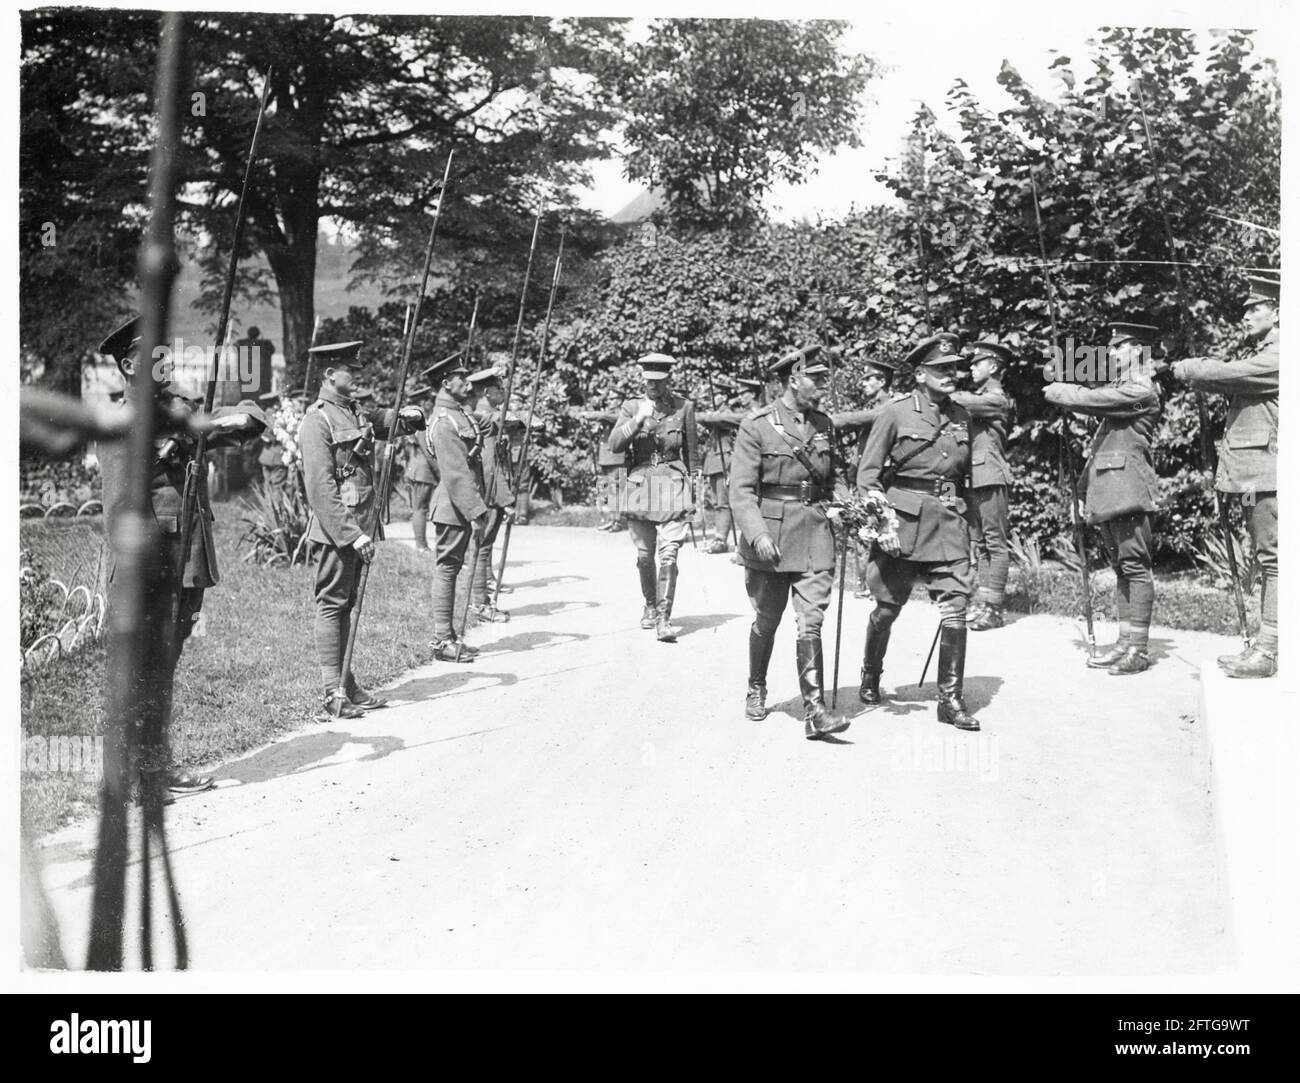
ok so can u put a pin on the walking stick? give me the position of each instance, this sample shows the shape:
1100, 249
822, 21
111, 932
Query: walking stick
1067, 452
532, 406
839, 620
933, 643
1202, 415
385, 476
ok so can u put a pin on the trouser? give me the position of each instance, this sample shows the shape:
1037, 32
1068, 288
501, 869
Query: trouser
809, 592
421, 497
476, 579
451, 542
657, 542
1260, 512
1127, 540
989, 531
337, 571
890, 579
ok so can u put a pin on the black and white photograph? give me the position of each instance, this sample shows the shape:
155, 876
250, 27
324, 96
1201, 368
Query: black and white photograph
569, 499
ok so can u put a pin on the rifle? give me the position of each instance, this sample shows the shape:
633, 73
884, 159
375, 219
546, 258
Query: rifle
1202, 414
386, 469
532, 407
196, 470
139, 647
1066, 451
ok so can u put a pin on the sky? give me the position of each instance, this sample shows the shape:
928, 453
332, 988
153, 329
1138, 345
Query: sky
923, 61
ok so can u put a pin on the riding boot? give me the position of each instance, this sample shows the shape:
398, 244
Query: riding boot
646, 570
873, 658
666, 632
760, 653
818, 722
952, 669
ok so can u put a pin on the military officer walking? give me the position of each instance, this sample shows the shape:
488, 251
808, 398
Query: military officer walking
337, 437
178, 591
1247, 469
658, 437
918, 454
781, 476
722, 422
460, 512
991, 412
1120, 480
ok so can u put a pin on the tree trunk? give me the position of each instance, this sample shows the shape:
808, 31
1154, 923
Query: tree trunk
294, 267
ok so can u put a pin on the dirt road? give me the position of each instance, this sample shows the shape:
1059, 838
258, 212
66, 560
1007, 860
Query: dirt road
585, 797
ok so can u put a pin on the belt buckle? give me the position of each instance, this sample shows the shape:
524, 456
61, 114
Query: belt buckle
805, 492
946, 491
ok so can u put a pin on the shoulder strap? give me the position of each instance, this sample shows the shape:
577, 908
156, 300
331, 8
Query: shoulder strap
889, 473
800, 450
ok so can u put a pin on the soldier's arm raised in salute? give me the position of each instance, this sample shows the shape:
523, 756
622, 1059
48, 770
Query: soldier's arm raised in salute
630, 417
1258, 375
1128, 399
991, 402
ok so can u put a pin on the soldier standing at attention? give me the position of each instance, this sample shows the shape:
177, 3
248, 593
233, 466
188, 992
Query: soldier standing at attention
1248, 455
722, 423
421, 468
337, 438
497, 491
781, 477
179, 592
1120, 480
918, 454
657, 435
460, 513
991, 412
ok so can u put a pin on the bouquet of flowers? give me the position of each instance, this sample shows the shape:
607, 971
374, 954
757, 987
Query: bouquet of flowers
866, 519
285, 423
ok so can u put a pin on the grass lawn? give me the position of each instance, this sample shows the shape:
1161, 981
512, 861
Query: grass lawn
250, 677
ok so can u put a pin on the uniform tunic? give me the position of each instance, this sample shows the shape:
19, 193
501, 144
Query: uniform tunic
990, 410
656, 495
774, 493
455, 440
928, 492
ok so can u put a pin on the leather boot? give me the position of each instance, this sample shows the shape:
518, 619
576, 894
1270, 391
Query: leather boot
760, 653
1226, 660
873, 658
952, 670
666, 631
988, 618
419, 529
1133, 660
1108, 657
1254, 664
650, 615
818, 722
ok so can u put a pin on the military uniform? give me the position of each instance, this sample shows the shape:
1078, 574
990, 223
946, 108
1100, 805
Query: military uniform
782, 474
990, 410
499, 496
722, 425
1121, 489
422, 477
918, 454
611, 472
657, 499
1247, 470
337, 438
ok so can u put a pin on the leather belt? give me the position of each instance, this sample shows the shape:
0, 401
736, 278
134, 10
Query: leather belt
946, 489
656, 459
805, 492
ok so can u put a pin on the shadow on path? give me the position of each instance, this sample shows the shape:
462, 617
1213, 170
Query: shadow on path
544, 581
549, 609
692, 624
299, 753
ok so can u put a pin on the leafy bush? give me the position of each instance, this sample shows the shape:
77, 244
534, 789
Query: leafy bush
40, 601
277, 518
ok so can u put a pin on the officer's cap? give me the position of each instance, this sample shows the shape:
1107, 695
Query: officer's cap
122, 341
484, 377
339, 354
808, 360
884, 368
1263, 291
940, 349
747, 384
994, 350
655, 366
423, 391
363, 394
440, 370
1142, 333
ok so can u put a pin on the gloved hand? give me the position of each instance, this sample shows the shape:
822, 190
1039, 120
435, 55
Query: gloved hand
365, 548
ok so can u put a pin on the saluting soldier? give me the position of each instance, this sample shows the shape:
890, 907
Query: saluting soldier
337, 437
918, 454
1120, 480
657, 435
176, 591
611, 467
722, 423
498, 493
421, 467
1248, 455
460, 512
991, 411
782, 473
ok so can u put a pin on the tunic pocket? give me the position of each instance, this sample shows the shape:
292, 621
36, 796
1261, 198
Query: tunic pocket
349, 494
1248, 438
1110, 460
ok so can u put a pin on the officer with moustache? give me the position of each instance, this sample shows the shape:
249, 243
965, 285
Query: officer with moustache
918, 455
782, 474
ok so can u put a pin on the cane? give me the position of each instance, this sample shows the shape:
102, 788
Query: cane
933, 643
839, 620
469, 593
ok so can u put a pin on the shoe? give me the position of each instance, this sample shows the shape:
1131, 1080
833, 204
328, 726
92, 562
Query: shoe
445, 650
989, 617
183, 784
951, 709
423, 549
818, 722
718, 545
367, 701
665, 630
645, 570
873, 658
1108, 657
487, 615
1133, 660
975, 611
618, 527
1226, 660
334, 708
604, 527
760, 653
650, 616
1256, 663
